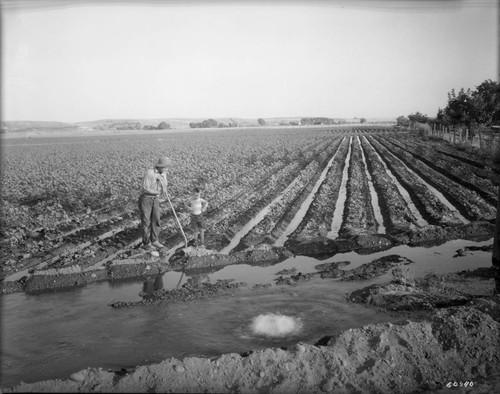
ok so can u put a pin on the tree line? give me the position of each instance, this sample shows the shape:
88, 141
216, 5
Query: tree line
211, 123
468, 109
137, 126
317, 121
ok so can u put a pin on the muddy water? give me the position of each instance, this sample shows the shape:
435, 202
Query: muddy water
54, 334
338, 214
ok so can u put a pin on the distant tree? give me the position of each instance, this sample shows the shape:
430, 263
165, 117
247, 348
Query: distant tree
402, 121
261, 121
163, 126
209, 123
464, 109
362, 120
441, 117
487, 101
417, 117
148, 127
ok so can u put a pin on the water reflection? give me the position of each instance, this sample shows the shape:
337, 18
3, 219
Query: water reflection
152, 284
195, 280
191, 280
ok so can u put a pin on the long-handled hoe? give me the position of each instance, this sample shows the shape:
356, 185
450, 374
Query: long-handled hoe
178, 222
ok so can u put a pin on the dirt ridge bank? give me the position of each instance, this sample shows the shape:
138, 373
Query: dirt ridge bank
319, 247
457, 344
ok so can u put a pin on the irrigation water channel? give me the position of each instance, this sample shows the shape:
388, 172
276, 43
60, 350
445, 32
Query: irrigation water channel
51, 335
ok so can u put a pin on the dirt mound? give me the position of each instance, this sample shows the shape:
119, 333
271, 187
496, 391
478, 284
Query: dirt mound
377, 267
322, 248
192, 258
220, 288
432, 291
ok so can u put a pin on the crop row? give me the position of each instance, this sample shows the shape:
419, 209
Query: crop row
246, 208
359, 216
456, 170
432, 209
318, 218
392, 170
481, 164
286, 206
469, 202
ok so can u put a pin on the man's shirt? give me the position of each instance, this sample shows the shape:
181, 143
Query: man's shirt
154, 183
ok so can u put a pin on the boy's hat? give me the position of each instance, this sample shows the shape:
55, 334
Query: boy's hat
164, 162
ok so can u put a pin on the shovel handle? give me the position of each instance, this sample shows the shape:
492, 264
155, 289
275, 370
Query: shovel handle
178, 222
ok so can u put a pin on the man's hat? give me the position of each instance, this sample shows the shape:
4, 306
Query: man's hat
165, 162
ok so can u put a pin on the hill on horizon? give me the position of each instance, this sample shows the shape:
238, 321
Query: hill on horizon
19, 126
175, 123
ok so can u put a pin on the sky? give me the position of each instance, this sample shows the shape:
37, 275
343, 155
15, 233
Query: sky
74, 61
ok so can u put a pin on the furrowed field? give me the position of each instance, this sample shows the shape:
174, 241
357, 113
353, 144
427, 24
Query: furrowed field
72, 202
319, 242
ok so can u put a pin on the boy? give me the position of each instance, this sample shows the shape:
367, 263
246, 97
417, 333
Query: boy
197, 206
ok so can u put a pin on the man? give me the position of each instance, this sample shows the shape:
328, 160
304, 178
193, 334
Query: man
154, 187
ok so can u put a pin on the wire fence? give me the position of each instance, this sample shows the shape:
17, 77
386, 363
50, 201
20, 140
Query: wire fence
485, 141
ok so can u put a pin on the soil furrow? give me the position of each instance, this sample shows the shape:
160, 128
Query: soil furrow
318, 218
374, 197
469, 203
295, 214
359, 217
484, 176
433, 210
261, 230
253, 204
284, 210
395, 211
339, 210
453, 171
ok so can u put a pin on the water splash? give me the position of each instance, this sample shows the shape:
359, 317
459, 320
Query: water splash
275, 325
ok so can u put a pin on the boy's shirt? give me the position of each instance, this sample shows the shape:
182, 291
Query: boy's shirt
196, 205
